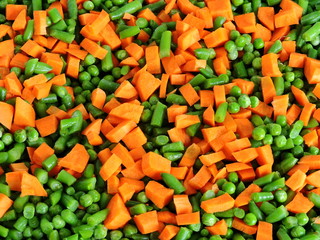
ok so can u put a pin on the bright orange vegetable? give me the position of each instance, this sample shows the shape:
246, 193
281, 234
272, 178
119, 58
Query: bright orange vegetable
218, 204
246, 23
188, 218
147, 222
245, 196
280, 105
217, 38
219, 228
14, 179
20, 22
13, 10
158, 194
270, 65
154, 164
182, 204
168, 232
241, 226
6, 203
120, 131
296, 180
245, 155
118, 215
93, 48
146, 84
47, 125
299, 95
30, 185
299, 204
135, 138
76, 159
311, 70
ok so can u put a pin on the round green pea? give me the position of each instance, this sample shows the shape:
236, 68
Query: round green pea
229, 187
258, 43
88, 5
244, 101
280, 196
258, 133
280, 141
233, 107
254, 100
250, 219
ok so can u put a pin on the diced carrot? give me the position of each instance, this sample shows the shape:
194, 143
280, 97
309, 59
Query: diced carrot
299, 95
47, 125
147, 222
280, 105
243, 227
296, 180
168, 232
246, 23
311, 70
182, 204
217, 38
6, 117
20, 22
135, 138
154, 164
33, 49
12, 84
76, 159
14, 179
270, 65
188, 218
245, 196
219, 228
118, 215
40, 24
30, 185
6, 203
220, 8
24, 113
123, 154
153, 59
299, 204
13, 10
218, 204
126, 191
146, 84
158, 194
297, 60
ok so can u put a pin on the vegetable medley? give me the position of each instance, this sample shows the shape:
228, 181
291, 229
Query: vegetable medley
159, 119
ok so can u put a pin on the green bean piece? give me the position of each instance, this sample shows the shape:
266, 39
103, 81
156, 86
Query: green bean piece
165, 44
173, 147
29, 211
254, 209
262, 196
28, 33
131, 8
276, 47
158, 115
221, 112
173, 183
277, 215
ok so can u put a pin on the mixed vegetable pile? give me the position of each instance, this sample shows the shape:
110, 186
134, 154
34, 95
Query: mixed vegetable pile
159, 119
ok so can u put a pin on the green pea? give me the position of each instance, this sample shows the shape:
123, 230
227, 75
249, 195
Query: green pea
250, 219
233, 107
244, 101
235, 91
258, 133
88, 5
229, 187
